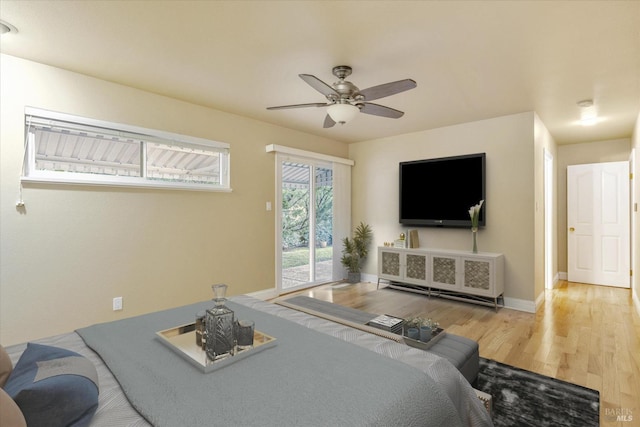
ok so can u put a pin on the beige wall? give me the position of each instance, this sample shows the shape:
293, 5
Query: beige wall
509, 144
635, 216
75, 248
576, 154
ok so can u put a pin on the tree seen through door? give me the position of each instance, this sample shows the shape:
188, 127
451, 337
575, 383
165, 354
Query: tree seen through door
307, 246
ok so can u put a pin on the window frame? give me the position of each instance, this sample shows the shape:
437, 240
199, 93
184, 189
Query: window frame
141, 135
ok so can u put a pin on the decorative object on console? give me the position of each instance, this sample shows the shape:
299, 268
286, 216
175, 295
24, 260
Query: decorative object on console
414, 239
355, 251
220, 326
474, 213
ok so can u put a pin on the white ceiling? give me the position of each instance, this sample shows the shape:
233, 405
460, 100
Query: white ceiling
472, 60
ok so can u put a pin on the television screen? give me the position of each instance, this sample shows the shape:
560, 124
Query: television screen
439, 192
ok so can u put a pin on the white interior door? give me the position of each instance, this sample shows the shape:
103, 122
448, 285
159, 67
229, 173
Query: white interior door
598, 221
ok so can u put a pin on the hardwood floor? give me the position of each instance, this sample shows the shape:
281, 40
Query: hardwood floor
584, 334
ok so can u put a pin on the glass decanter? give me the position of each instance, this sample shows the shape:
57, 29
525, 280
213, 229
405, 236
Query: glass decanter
220, 324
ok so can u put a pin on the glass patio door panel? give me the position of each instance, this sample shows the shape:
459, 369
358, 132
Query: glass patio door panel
323, 224
306, 224
296, 194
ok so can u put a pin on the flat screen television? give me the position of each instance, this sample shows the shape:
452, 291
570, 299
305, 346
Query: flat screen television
439, 192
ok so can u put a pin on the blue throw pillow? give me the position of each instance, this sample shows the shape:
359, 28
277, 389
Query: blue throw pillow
54, 387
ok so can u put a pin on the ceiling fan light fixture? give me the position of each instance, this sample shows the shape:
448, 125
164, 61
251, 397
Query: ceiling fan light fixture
342, 113
6, 27
344, 100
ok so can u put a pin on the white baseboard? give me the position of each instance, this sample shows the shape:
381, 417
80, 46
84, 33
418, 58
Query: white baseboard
562, 275
540, 299
520, 304
371, 278
265, 294
556, 282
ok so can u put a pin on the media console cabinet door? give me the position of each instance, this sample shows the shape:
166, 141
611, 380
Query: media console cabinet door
478, 276
444, 271
389, 264
416, 268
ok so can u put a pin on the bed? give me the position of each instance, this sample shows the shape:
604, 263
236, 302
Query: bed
319, 373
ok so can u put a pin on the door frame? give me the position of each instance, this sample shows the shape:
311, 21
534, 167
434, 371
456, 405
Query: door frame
549, 247
313, 166
341, 202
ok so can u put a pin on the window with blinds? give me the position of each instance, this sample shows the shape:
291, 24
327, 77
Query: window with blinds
63, 148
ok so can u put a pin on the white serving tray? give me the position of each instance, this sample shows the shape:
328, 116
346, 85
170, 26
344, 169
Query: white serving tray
182, 340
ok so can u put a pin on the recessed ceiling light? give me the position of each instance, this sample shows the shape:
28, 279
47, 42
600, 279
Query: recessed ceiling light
5, 28
588, 112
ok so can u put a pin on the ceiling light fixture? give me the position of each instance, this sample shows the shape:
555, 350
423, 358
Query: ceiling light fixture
588, 113
342, 113
5, 28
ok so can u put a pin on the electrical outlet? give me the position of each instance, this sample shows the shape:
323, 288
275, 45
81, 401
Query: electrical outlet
117, 304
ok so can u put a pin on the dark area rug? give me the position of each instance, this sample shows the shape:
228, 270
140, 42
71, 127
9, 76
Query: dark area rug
523, 398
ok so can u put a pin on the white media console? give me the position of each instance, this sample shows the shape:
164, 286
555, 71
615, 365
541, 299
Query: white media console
453, 274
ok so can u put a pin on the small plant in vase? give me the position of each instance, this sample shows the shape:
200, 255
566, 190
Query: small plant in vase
413, 322
431, 324
411, 327
474, 213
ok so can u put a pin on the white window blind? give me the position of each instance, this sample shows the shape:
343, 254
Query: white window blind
62, 148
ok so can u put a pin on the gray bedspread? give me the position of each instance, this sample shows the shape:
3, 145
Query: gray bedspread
114, 409
308, 378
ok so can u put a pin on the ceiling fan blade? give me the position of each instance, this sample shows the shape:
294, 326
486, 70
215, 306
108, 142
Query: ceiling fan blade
387, 89
328, 122
381, 110
319, 85
313, 104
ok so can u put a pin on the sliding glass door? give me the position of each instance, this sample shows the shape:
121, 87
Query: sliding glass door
306, 223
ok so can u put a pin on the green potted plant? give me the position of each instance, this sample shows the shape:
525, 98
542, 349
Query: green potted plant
355, 251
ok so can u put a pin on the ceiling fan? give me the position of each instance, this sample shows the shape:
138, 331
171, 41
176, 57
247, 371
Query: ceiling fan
345, 100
